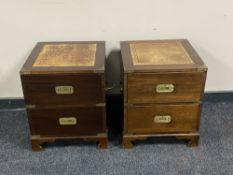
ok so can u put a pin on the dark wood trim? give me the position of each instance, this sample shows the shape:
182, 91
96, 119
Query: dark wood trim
26, 69
104, 97
126, 57
192, 138
189, 48
125, 90
100, 54
204, 83
37, 142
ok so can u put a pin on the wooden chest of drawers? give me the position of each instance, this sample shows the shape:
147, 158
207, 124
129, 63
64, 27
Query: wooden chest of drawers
164, 82
64, 90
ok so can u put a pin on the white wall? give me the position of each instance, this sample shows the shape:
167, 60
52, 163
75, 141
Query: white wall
208, 24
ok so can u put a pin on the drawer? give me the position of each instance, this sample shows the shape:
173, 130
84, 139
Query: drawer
63, 89
67, 121
165, 87
180, 118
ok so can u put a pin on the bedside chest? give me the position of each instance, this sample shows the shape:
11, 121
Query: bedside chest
164, 83
64, 90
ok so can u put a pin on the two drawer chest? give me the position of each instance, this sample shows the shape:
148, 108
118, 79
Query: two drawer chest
64, 90
164, 82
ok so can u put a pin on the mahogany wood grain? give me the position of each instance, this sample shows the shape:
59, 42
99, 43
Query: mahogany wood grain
188, 87
141, 100
45, 122
40, 89
128, 139
37, 142
184, 118
86, 103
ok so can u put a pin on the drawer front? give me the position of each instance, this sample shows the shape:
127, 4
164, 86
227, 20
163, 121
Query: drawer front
166, 87
63, 89
163, 119
67, 121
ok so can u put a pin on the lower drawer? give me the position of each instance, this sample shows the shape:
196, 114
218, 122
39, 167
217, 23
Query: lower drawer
171, 118
81, 121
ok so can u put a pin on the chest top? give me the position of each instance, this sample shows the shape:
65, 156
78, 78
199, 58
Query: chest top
62, 57
66, 55
160, 55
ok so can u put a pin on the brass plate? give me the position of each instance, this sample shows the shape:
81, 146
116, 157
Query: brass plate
67, 121
153, 53
66, 55
64, 89
165, 88
162, 119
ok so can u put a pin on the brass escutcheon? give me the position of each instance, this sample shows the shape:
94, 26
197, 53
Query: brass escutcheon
64, 89
162, 119
165, 88
67, 121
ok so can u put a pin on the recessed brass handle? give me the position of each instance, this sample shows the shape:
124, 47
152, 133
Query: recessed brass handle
165, 88
162, 119
64, 89
67, 121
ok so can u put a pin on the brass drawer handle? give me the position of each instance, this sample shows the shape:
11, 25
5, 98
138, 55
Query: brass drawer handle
165, 88
67, 121
162, 119
64, 89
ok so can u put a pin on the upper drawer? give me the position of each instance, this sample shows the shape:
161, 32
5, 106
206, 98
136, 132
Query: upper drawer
165, 87
63, 89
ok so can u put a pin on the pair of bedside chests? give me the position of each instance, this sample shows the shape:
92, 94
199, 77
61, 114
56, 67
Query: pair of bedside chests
64, 90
